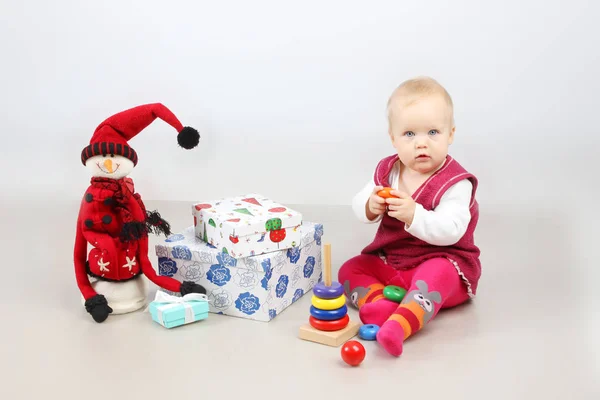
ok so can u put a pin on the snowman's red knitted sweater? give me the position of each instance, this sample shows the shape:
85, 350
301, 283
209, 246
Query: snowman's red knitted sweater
114, 222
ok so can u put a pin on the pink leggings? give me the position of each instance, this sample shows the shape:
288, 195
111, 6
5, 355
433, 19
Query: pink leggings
365, 276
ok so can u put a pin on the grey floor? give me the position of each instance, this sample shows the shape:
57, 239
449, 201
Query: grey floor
532, 333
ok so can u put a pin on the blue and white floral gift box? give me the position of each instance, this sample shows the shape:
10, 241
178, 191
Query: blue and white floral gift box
255, 287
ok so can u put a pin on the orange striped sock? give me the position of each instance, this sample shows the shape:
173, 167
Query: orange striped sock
374, 308
404, 322
410, 317
374, 292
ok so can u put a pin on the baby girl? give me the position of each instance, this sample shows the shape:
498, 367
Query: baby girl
425, 240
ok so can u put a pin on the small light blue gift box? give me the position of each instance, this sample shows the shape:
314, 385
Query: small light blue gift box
171, 311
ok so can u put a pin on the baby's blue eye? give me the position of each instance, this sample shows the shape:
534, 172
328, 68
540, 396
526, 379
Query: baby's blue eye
410, 134
433, 132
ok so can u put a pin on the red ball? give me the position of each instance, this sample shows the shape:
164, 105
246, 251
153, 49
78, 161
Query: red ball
353, 353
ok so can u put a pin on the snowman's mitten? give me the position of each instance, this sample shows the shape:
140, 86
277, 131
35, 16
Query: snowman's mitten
191, 287
98, 307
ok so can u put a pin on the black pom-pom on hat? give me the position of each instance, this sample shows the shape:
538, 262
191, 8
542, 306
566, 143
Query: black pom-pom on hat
188, 138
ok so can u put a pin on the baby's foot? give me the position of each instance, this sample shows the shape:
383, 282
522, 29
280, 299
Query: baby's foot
377, 312
391, 337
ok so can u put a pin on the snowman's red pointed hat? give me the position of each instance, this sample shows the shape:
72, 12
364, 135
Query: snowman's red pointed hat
111, 136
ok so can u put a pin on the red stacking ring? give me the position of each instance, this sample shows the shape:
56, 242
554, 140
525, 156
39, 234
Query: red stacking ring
331, 325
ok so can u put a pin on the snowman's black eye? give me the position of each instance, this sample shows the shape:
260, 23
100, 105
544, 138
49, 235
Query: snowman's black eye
112, 155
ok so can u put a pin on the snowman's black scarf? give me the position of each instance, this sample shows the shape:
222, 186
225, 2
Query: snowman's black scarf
123, 196
155, 223
119, 192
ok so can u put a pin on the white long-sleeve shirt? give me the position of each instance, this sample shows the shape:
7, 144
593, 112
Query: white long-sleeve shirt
443, 226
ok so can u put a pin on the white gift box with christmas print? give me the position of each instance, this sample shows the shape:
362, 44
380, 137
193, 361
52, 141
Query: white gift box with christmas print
247, 225
256, 287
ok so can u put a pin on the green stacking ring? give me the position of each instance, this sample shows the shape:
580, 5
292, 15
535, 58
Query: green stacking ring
394, 293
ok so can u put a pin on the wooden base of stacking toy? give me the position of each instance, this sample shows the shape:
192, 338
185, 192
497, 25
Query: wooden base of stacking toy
329, 322
329, 338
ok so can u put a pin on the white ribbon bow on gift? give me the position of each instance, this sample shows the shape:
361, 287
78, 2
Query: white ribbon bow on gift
174, 301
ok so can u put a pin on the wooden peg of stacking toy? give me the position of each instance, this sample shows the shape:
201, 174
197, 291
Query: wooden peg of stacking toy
329, 322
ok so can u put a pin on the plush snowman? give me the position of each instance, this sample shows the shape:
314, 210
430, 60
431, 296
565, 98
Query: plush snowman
111, 244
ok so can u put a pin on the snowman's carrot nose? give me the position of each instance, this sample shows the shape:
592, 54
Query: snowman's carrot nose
108, 165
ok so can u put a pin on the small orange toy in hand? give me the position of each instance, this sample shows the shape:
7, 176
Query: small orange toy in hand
385, 193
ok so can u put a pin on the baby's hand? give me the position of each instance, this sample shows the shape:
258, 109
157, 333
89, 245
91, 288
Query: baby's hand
402, 208
376, 204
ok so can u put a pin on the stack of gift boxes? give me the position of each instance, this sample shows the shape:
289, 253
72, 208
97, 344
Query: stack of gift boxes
255, 257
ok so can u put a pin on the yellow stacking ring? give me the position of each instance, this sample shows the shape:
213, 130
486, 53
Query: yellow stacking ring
328, 304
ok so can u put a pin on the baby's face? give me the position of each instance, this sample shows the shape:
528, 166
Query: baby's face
422, 132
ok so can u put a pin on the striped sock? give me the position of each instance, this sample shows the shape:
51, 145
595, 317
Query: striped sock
373, 307
377, 312
408, 319
374, 293
361, 295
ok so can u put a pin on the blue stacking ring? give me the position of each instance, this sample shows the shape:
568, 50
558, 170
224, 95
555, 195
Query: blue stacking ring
328, 292
328, 315
368, 332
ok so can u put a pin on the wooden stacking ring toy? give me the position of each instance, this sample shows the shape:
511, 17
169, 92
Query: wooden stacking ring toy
394, 293
328, 304
328, 315
333, 325
323, 291
368, 332
329, 322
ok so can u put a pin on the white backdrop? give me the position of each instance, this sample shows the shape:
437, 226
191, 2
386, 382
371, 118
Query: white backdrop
290, 98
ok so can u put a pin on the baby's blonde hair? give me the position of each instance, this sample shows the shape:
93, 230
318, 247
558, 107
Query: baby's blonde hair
413, 89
